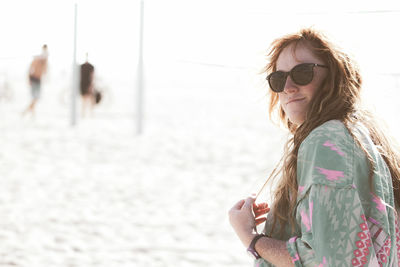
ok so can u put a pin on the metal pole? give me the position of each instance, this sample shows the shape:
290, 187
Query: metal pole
74, 72
139, 97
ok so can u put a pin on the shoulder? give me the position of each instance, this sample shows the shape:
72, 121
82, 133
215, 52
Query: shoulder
329, 140
87, 65
35, 61
332, 130
326, 156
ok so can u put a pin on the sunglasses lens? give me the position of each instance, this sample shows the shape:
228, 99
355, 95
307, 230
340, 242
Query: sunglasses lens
302, 74
277, 81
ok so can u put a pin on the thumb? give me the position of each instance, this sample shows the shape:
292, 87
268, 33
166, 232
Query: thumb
238, 205
249, 202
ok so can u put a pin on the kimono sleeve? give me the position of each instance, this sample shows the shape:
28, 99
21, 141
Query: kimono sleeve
334, 230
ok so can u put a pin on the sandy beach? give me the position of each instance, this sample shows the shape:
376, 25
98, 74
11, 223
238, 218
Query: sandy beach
97, 194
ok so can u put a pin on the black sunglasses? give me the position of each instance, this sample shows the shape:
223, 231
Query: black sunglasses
301, 74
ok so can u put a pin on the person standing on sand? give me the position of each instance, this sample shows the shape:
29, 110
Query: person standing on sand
37, 69
87, 86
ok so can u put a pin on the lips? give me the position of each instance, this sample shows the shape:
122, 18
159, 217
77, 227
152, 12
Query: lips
295, 100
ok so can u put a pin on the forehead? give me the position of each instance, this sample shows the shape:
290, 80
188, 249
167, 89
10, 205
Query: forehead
293, 55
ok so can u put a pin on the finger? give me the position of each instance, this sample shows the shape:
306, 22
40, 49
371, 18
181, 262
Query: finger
261, 212
249, 202
260, 205
265, 205
260, 220
260, 209
238, 205
256, 215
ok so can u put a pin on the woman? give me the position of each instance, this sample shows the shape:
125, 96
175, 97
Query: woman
335, 199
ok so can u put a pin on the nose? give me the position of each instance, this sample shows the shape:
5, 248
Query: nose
290, 86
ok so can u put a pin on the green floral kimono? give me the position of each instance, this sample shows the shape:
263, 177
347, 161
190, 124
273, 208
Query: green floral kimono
339, 222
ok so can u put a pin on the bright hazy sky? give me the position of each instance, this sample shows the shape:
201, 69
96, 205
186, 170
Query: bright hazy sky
109, 28
230, 33
224, 32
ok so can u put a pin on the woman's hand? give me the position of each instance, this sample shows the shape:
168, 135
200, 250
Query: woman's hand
244, 221
259, 210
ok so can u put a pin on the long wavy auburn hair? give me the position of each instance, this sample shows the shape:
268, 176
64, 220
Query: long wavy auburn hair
337, 99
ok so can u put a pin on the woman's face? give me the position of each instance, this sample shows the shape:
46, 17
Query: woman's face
295, 98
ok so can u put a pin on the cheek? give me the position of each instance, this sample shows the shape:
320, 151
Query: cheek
310, 90
281, 100
317, 84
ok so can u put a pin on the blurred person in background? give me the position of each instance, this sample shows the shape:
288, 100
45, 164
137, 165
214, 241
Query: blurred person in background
37, 70
87, 86
337, 188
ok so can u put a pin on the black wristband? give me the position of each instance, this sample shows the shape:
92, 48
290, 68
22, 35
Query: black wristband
251, 249
255, 239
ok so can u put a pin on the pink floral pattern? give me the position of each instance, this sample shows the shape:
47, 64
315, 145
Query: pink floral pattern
338, 221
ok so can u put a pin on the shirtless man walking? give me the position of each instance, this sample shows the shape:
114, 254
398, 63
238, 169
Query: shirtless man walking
36, 71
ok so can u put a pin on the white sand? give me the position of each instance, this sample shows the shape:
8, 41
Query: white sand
98, 195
